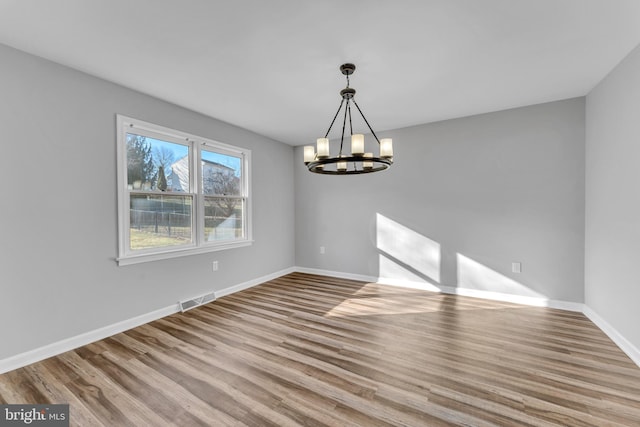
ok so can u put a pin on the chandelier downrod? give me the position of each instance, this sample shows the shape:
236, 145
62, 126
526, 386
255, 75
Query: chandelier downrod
359, 161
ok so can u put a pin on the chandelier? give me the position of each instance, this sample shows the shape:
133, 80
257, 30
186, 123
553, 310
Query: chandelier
359, 161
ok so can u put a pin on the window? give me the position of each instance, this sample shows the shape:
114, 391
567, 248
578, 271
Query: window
178, 194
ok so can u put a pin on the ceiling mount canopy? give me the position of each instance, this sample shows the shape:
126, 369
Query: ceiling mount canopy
318, 159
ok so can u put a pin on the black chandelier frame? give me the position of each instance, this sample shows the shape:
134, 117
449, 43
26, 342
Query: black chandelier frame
357, 161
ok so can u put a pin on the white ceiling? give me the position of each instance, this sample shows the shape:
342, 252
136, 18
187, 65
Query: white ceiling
271, 66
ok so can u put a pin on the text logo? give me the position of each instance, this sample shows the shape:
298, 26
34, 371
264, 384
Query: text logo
34, 415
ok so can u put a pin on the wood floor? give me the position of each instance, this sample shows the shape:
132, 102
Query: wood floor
315, 351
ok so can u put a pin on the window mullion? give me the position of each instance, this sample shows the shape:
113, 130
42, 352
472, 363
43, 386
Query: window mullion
197, 189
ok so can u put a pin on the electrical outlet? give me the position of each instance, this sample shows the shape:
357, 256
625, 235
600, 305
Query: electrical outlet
322, 250
215, 266
516, 267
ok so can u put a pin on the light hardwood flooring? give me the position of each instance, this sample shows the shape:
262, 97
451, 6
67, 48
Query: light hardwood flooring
315, 351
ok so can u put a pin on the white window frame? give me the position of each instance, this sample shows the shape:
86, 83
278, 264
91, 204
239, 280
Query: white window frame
198, 245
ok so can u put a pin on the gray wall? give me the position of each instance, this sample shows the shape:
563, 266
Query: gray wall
465, 199
612, 246
58, 277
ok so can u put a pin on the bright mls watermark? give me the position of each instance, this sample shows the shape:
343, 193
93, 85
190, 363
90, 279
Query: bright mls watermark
34, 415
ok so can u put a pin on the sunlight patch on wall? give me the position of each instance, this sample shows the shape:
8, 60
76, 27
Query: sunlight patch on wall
410, 251
475, 276
393, 273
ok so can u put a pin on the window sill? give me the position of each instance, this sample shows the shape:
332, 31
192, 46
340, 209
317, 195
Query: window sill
137, 259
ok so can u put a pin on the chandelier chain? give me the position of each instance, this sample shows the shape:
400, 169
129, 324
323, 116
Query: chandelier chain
334, 118
350, 124
344, 123
366, 121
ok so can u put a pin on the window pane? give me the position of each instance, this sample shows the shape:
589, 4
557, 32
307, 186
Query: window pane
148, 159
158, 221
221, 174
223, 218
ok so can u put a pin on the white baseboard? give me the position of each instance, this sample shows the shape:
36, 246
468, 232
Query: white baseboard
424, 286
251, 283
338, 274
50, 350
632, 351
518, 299
38, 354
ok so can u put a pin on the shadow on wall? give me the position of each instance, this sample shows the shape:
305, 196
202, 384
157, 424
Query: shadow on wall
407, 258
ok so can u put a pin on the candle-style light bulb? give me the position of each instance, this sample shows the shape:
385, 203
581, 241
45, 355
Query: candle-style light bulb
323, 147
342, 165
386, 147
367, 164
357, 144
309, 153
